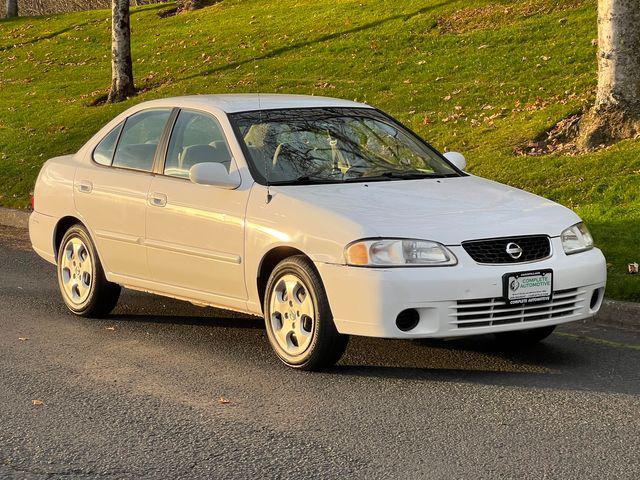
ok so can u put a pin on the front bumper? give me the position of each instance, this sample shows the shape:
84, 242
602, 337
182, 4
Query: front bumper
460, 300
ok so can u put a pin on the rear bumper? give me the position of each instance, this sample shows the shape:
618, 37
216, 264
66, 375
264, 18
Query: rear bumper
367, 301
41, 229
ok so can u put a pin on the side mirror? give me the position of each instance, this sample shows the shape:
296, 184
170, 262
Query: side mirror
213, 173
457, 159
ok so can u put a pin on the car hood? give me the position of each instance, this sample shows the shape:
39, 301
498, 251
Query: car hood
448, 210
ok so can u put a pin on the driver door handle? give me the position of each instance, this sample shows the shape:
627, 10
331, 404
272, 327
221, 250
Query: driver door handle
157, 199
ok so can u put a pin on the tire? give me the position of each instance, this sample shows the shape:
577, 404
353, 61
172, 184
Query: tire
298, 318
524, 338
81, 280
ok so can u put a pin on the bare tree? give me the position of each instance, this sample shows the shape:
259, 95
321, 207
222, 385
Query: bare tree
616, 113
12, 8
185, 5
122, 85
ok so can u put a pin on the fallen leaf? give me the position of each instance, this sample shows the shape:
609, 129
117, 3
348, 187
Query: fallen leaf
37, 403
223, 401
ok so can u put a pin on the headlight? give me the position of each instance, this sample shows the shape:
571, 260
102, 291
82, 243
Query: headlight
398, 252
576, 239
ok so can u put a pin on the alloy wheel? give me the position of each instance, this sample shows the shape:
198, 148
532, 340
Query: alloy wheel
76, 270
292, 314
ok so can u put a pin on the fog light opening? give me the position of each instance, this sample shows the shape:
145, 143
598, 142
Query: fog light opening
596, 299
407, 319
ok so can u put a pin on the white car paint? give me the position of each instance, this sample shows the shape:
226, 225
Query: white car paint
206, 244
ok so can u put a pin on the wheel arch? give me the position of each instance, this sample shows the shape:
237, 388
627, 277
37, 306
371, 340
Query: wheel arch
269, 262
61, 228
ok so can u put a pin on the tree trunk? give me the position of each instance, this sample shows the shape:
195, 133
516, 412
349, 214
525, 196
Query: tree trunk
616, 113
12, 8
122, 85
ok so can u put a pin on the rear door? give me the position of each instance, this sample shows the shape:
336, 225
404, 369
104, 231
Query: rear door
111, 192
195, 233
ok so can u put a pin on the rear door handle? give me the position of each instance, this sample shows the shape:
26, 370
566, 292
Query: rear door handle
157, 199
85, 186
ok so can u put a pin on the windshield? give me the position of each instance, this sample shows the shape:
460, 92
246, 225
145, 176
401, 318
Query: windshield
332, 145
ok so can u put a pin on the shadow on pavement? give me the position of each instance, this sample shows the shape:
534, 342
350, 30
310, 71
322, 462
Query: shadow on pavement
214, 321
562, 362
559, 363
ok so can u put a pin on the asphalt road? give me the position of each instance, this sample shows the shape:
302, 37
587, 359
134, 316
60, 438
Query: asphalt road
138, 395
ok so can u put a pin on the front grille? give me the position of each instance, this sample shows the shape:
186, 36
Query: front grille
486, 312
494, 250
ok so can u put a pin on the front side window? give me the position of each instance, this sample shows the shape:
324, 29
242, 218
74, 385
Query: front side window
196, 138
103, 154
333, 145
139, 139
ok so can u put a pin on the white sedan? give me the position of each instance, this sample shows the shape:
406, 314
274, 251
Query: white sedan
325, 216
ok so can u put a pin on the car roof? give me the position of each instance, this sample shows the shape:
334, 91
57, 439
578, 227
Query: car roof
243, 102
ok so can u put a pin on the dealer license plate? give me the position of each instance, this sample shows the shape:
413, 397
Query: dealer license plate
528, 287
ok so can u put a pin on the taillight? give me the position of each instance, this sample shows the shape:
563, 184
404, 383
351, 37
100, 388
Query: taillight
33, 202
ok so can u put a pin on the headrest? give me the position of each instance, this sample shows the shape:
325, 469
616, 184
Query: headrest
194, 154
138, 156
257, 135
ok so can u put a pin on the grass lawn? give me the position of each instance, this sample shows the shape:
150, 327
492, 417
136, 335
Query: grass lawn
481, 77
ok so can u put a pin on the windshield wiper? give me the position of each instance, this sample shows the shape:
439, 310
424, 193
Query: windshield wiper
385, 176
410, 174
303, 180
390, 175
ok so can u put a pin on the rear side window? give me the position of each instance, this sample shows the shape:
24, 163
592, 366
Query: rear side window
196, 138
103, 154
139, 139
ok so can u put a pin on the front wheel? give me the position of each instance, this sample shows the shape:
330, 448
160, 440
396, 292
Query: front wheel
298, 319
524, 338
83, 286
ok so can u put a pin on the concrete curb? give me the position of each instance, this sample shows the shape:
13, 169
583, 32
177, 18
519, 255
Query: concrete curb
613, 312
619, 314
14, 218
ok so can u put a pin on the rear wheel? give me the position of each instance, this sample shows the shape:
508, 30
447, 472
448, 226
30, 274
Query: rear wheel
523, 338
298, 319
81, 280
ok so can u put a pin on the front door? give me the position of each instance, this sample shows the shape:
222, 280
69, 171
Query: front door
195, 233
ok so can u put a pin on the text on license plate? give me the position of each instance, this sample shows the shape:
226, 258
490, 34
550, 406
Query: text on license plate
528, 287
